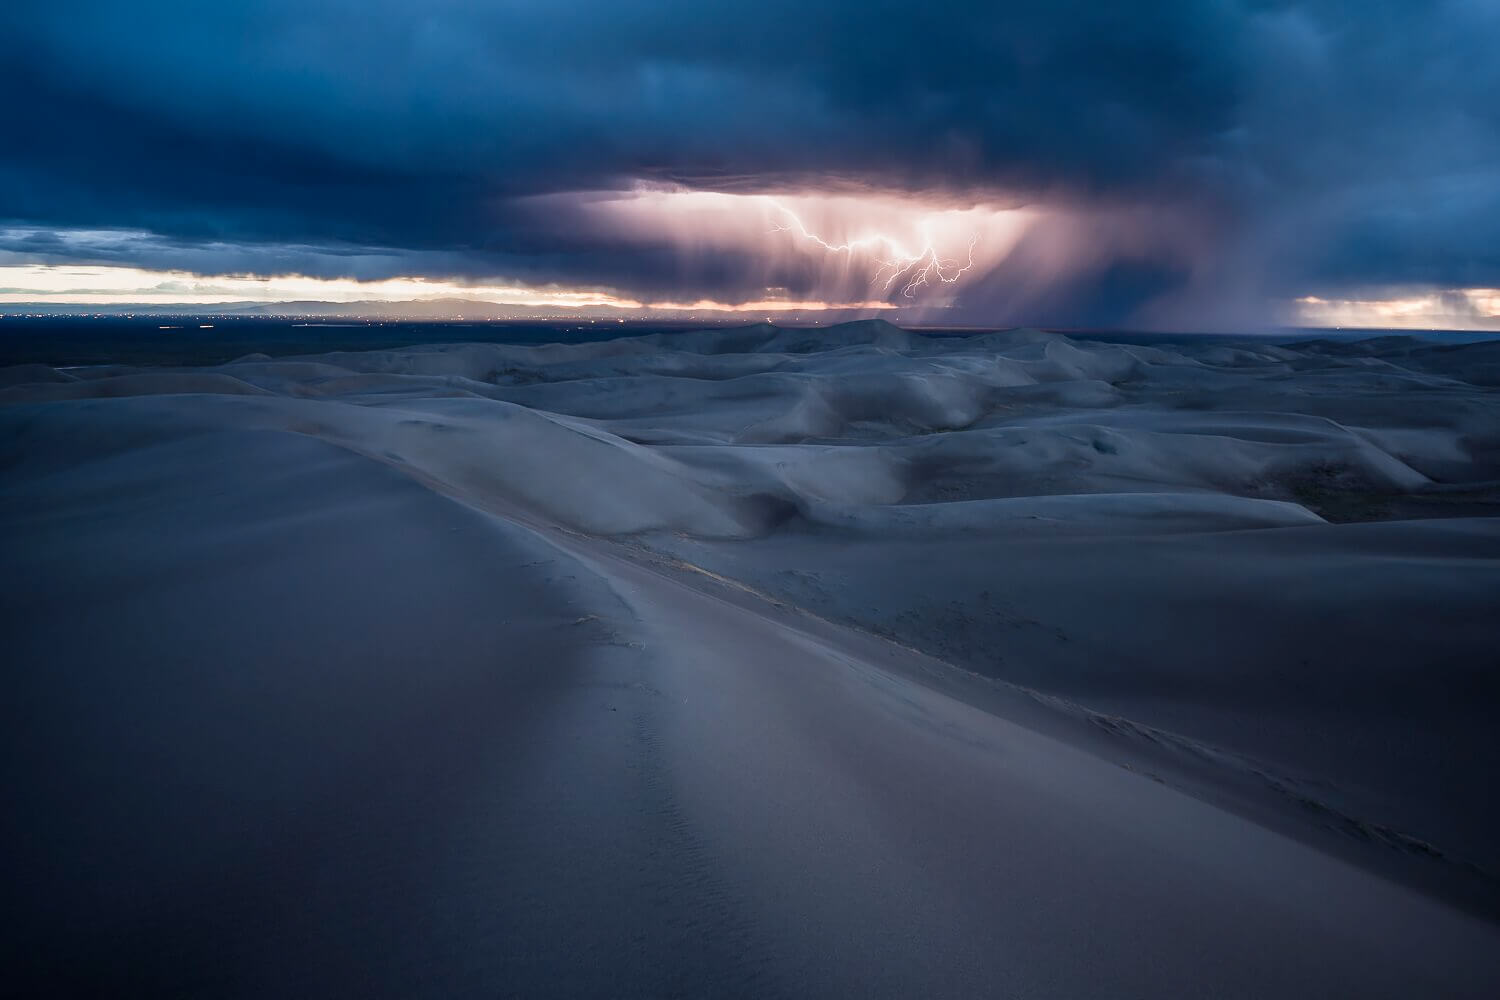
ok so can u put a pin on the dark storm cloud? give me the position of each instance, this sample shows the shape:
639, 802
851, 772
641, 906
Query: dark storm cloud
1334, 143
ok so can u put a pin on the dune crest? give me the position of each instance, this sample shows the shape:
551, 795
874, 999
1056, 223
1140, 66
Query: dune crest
759, 659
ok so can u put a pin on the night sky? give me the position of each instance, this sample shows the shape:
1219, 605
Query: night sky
1211, 165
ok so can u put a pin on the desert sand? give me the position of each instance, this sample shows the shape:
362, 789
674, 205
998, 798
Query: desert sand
758, 662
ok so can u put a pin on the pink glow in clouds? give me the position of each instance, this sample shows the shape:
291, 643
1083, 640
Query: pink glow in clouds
927, 257
858, 248
989, 255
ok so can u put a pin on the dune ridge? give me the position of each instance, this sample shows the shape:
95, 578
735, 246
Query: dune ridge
953, 651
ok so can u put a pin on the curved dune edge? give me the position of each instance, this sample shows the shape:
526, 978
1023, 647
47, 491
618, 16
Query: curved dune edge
283, 682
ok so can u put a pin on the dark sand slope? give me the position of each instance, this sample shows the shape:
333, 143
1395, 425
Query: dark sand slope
327, 676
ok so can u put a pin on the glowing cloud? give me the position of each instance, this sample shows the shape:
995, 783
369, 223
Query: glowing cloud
836, 245
1446, 309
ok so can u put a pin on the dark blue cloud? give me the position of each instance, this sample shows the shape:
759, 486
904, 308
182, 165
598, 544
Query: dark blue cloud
1326, 142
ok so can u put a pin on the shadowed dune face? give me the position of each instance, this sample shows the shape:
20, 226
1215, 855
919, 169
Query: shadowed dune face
1280, 563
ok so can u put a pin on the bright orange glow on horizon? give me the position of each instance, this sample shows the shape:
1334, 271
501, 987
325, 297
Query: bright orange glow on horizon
852, 252
1442, 309
63, 284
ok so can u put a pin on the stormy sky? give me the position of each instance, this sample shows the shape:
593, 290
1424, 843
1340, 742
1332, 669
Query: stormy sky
1210, 164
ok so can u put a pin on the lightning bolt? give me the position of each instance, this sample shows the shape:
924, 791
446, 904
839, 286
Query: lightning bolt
898, 261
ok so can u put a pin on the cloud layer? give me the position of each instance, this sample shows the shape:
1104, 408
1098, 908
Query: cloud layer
1185, 162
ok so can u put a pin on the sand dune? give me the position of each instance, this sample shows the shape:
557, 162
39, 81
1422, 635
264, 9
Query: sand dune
759, 662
